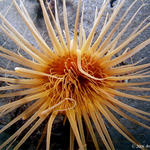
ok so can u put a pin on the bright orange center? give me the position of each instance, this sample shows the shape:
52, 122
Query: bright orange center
68, 64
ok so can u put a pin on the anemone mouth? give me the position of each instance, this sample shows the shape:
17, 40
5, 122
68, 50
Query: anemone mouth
68, 65
70, 91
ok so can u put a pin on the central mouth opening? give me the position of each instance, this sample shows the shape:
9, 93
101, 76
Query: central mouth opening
67, 65
78, 78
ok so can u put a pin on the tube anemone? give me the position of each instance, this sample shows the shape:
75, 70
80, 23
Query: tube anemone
77, 78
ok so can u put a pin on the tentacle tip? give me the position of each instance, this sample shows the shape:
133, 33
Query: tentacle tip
17, 68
